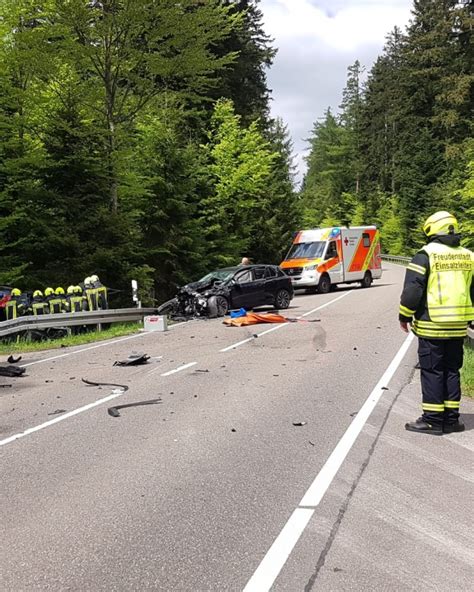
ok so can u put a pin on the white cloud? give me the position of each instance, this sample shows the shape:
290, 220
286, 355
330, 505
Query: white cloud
317, 40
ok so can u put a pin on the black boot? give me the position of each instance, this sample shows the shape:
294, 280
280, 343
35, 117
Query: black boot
449, 428
421, 426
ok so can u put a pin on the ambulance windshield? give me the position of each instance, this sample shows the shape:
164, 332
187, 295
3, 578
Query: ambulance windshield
307, 250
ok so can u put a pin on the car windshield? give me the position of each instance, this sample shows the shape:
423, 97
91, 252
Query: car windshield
220, 275
306, 250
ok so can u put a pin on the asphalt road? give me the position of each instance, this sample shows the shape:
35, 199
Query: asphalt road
214, 488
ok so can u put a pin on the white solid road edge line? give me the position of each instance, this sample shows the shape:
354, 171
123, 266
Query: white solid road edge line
179, 368
102, 344
266, 573
306, 314
115, 393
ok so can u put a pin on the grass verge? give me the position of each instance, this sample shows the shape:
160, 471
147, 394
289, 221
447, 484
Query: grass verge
467, 372
116, 330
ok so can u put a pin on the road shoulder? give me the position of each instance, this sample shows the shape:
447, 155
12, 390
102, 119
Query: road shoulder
409, 523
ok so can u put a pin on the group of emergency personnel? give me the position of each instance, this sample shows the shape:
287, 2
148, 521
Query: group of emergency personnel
89, 295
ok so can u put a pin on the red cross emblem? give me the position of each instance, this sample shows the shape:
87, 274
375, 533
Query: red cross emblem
346, 241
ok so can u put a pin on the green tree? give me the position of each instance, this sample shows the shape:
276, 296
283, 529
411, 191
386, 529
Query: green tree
127, 53
239, 170
328, 178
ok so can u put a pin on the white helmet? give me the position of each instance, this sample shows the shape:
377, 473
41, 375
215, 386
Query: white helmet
94, 279
87, 281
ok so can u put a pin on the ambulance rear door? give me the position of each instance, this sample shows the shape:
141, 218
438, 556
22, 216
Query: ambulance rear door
356, 248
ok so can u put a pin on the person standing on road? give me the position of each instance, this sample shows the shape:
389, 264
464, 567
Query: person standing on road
245, 261
437, 301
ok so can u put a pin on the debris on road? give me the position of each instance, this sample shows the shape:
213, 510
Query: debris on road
133, 360
114, 411
202, 370
12, 360
5, 385
312, 443
124, 387
12, 371
299, 423
57, 412
233, 430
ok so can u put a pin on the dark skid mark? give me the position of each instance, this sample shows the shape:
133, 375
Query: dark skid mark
113, 411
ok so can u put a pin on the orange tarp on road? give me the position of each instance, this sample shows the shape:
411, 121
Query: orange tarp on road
254, 318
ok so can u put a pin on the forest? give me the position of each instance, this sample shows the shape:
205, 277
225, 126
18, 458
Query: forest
401, 146
137, 142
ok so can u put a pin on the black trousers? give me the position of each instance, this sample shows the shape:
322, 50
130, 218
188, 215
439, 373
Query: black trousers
440, 362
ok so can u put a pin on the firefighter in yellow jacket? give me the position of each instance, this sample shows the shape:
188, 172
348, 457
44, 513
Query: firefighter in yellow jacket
437, 301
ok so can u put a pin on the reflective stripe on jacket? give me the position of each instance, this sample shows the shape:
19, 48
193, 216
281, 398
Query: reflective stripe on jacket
56, 305
75, 303
11, 310
39, 308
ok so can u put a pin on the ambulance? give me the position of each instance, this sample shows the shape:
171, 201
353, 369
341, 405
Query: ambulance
321, 258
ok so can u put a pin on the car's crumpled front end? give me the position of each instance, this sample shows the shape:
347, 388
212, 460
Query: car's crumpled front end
196, 300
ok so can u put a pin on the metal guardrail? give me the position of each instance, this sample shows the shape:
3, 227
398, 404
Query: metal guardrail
396, 259
470, 338
96, 317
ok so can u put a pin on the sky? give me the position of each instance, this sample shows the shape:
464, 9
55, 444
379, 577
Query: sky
317, 40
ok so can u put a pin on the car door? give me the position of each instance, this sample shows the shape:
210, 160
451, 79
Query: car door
333, 263
273, 283
247, 291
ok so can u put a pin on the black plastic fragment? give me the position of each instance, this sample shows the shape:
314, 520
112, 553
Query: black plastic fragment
133, 360
299, 423
5, 385
57, 412
12, 360
113, 411
12, 371
91, 383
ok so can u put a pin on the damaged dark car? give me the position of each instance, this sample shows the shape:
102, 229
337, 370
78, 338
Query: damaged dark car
231, 288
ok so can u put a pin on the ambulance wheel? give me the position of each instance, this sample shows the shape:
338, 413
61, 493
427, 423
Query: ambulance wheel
282, 299
367, 281
324, 285
217, 306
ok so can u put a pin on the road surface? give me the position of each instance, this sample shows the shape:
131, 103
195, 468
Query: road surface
214, 488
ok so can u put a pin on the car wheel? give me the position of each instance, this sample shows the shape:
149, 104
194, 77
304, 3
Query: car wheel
217, 306
282, 299
367, 280
168, 308
324, 285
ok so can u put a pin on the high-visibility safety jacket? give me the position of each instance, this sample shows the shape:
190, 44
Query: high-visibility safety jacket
14, 308
438, 293
102, 297
92, 296
75, 303
39, 306
11, 309
57, 304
